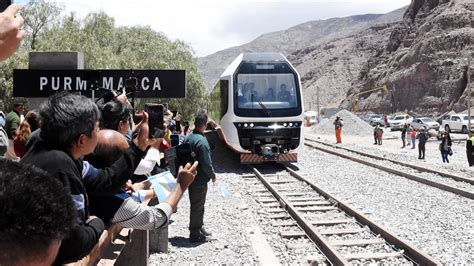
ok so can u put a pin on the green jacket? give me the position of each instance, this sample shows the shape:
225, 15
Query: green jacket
201, 148
12, 123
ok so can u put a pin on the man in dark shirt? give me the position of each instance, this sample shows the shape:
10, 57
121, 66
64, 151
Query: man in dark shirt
36, 213
13, 120
422, 139
205, 172
12, 123
70, 124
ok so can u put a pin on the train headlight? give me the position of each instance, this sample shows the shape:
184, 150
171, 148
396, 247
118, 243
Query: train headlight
251, 125
291, 124
246, 125
285, 124
239, 125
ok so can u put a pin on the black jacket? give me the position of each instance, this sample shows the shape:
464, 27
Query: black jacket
422, 137
85, 235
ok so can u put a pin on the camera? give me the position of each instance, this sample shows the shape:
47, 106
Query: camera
179, 156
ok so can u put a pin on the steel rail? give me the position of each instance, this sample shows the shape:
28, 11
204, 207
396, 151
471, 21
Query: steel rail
331, 253
419, 168
460, 192
413, 253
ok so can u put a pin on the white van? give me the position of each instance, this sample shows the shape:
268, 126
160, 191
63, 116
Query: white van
313, 117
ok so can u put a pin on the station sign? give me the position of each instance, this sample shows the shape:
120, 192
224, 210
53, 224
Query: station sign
33, 83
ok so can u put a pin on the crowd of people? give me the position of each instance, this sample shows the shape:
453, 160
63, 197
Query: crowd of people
97, 152
68, 169
409, 136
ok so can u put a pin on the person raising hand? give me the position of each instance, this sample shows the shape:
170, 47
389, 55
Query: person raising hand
11, 32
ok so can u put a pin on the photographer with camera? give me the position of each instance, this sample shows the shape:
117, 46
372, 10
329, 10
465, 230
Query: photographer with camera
70, 124
205, 172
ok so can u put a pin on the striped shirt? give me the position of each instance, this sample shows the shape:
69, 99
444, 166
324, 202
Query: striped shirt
132, 214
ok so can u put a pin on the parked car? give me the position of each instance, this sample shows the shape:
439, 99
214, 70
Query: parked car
424, 122
374, 120
458, 123
399, 121
443, 117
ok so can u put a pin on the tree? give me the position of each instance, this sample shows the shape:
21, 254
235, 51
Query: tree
38, 14
105, 46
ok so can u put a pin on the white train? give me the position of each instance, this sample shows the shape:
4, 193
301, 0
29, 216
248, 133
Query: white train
258, 103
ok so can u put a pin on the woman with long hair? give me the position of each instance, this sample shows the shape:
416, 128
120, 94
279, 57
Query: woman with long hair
445, 147
19, 143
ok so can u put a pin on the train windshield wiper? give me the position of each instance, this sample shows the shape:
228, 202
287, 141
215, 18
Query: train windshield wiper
264, 108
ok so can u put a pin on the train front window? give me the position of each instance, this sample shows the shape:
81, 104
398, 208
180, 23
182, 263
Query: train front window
266, 91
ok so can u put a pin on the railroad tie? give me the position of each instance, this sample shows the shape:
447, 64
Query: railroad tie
305, 199
316, 209
266, 200
278, 216
331, 222
271, 205
294, 194
373, 256
276, 211
357, 242
342, 231
292, 234
276, 182
299, 245
283, 223
310, 203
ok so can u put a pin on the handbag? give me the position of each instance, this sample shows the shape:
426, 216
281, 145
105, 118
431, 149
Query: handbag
450, 151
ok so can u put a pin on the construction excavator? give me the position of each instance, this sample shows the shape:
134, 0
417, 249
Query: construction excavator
356, 97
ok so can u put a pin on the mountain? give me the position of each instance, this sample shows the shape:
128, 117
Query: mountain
302, 36
425, 61
330, 69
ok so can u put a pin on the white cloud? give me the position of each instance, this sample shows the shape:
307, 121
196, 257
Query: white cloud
212, 25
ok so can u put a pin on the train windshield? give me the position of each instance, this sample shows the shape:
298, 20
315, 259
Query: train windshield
267, 94
260, 91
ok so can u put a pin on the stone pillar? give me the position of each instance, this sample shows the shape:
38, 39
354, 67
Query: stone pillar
158, 238
53, 60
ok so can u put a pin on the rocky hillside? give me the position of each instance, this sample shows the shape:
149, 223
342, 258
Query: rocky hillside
424, 60
302, 36
335, 66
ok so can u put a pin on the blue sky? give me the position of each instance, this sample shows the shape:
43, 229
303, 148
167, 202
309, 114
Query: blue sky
212, 25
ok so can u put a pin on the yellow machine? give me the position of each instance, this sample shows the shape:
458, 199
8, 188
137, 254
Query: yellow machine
356, 97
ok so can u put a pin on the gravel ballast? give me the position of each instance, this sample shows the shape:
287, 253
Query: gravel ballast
437, 222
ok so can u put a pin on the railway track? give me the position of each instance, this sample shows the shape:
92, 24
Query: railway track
343, 234
448, 182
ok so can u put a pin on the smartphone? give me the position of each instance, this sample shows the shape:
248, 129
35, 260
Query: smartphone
174, 138
174, 113
4, 4
165, 107
155, 119
137, 117
178, 126
131, 85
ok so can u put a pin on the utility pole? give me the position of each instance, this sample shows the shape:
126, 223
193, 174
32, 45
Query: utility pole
317, 95
469, 93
